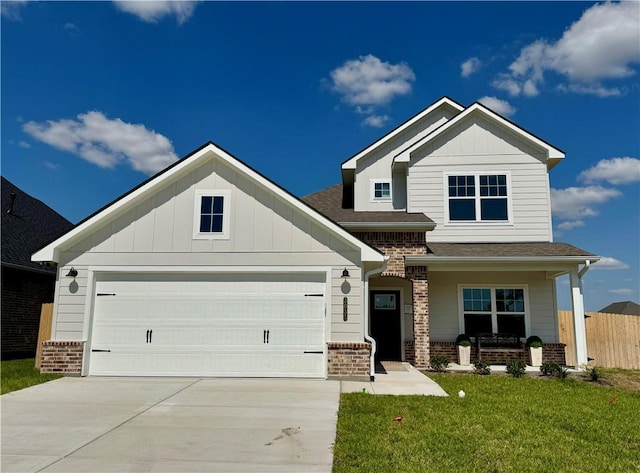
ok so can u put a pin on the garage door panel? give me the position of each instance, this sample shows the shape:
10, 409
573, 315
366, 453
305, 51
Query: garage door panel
205, 325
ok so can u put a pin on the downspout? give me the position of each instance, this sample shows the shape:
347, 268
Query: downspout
585, 268
367, 337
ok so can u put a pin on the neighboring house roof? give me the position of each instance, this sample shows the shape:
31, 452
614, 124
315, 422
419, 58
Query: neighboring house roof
329, 202
27, 224
180, 168
624, 308
350, 163
554, 155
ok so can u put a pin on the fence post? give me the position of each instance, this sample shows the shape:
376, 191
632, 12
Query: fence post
44, 331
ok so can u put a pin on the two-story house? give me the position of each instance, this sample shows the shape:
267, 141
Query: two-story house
441, 227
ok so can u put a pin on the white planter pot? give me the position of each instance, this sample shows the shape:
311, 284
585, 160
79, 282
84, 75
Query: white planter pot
536, 356
464, 355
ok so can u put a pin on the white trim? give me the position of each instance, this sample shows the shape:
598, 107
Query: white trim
477, 198
52, 251
226, 214
419, 260
553, 154
372, 190
494, 308
351, 163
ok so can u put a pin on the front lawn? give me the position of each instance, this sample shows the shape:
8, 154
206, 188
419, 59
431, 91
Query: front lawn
19, 374
502, 424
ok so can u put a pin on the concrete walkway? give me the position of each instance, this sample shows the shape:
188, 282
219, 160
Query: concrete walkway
170, 425
397, 379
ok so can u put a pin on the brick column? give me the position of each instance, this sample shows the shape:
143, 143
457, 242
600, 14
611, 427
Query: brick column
418, 277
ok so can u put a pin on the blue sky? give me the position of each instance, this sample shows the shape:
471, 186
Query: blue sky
97, 96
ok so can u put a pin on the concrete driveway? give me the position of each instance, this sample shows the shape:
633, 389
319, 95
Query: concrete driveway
170, 425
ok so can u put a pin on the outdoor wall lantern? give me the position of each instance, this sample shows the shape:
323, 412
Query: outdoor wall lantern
73, 272
345, 273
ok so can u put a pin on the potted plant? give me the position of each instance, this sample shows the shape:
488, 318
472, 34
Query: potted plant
535, 350
463, 342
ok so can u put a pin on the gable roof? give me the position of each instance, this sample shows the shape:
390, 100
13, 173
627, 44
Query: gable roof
180, 168
350, 163
27, 224
329, 202
624, 308
554, 155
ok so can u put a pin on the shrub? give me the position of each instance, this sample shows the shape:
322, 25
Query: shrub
482, 367
463, 340
439, 363
534, 342
593, 373
516, 368
548, 368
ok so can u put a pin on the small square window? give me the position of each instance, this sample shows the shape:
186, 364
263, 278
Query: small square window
211, 215
381, 190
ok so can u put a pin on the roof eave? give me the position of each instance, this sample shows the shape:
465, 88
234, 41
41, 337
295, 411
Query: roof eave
390, 226
419, 260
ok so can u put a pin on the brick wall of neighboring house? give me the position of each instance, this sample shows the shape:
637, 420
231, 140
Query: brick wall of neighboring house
23, 293
554, 352
349, 359
62, 357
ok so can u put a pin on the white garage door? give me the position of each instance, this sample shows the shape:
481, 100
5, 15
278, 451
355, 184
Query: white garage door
265, 325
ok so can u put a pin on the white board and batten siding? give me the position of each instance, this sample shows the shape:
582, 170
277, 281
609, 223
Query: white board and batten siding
266, 235
444, 313
477, 146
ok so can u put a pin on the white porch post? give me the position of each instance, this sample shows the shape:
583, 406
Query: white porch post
577, 303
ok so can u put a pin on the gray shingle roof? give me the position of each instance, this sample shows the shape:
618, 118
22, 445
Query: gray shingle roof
528, 249
30, 226
329, 203
624, 308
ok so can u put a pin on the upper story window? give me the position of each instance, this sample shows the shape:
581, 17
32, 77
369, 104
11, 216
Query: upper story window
380, 190
478, 198
211, 215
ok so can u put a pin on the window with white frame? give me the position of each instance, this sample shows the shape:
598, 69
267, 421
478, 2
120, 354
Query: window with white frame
380, 189
211, 214
493, 310
478, 198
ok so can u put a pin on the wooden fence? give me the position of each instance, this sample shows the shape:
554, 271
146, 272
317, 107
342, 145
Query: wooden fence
613, 340
44, 332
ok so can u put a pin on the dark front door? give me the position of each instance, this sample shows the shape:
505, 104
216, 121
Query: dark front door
385, 324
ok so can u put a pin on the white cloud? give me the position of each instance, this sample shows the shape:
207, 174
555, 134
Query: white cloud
571, 224
470, 66
622, 291
575, 203
604, 44
24, 144
106, 142
72, 29
11, 9
607, 262
370, 81
376, 121
499, 106
52, 166
615, 171
152, 11
367, 82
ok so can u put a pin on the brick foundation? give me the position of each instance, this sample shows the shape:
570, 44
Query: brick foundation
409, 352
554, 352
63, 357
349, 359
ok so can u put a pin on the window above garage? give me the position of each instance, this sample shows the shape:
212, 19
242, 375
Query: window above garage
211, 215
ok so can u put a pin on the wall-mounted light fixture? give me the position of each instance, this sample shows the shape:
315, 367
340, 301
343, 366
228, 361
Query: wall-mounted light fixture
345, 273
73, 272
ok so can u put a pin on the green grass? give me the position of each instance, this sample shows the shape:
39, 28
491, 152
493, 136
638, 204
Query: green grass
503, 424
20, 374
